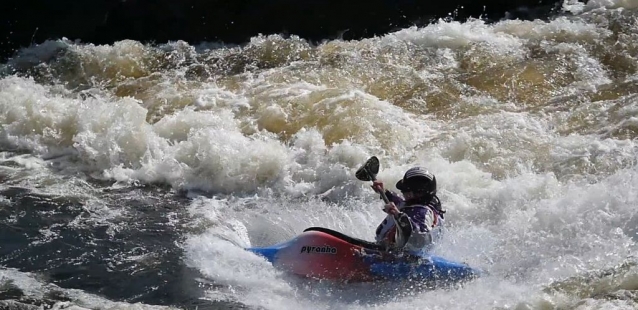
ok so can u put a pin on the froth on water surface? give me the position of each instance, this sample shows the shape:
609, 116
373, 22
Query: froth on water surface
172, 158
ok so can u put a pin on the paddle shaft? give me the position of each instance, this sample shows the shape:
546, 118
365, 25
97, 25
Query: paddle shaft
383, 196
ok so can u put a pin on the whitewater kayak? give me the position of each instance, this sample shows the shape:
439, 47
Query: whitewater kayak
322, 253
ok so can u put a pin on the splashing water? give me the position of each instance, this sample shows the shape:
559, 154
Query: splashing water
529, 126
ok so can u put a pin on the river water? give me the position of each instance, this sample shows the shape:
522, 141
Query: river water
133, 175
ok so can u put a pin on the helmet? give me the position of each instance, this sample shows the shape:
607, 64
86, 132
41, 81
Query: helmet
418, 180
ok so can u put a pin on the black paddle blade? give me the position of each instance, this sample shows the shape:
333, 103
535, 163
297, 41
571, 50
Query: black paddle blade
368, 172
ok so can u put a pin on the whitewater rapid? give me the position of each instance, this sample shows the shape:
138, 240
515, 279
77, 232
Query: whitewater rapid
529, 126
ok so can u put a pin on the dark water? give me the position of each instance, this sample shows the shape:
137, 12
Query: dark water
134, 257
235, 22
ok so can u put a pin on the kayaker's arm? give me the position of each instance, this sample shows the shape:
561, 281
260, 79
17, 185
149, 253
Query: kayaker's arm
414, 225
394, 197
402, 221
405, 228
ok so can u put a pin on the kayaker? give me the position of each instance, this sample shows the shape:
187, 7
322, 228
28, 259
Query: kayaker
419, 214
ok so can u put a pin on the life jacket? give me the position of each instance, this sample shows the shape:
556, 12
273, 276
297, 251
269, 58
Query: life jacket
386, 232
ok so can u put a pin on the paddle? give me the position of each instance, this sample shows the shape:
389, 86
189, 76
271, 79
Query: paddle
368, 172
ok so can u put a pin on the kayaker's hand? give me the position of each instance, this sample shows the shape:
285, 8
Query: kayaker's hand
391, 208
378, 186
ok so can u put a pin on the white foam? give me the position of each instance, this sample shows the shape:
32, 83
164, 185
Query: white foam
577, 7
526, 231
277, 150
455, 35
560, 28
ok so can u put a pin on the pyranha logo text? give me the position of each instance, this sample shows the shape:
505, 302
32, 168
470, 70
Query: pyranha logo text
318, 249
